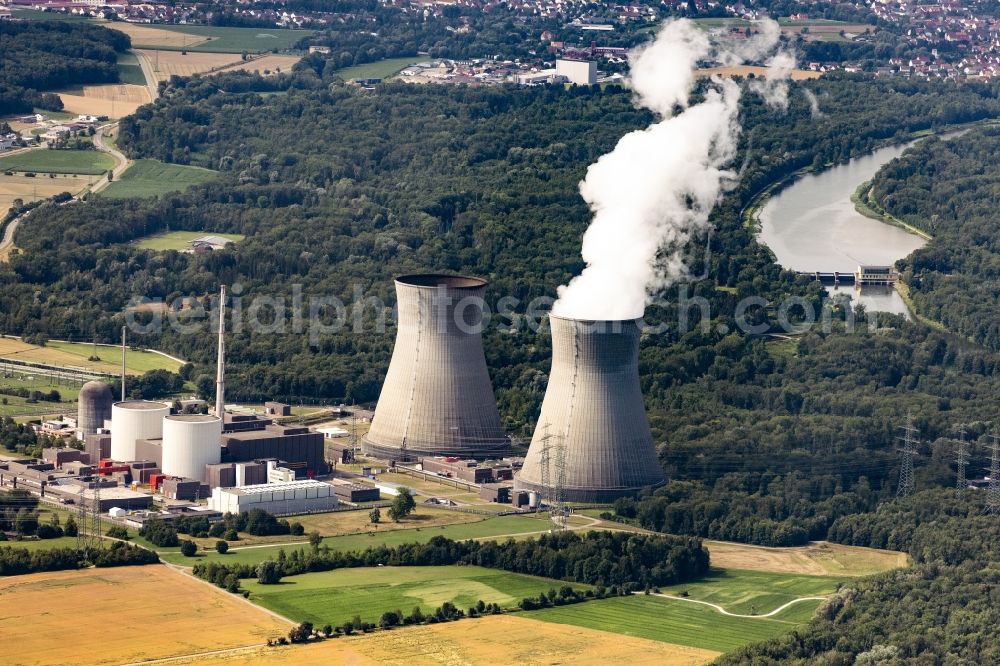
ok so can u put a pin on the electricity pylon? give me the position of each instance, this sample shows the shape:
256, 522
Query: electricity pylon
993, 491
962, 461
907, 451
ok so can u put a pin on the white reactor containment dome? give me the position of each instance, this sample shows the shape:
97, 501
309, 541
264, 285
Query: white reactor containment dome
191, 441
132, 420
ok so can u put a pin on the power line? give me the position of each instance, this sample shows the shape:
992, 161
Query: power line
962, 461
907, 452
993, 491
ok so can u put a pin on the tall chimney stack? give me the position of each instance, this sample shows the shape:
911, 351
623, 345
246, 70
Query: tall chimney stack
220, 372
593, 408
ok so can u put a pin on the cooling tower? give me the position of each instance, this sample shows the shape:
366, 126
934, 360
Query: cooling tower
93, 408
191, 441
132, 420
593, 409
437, 398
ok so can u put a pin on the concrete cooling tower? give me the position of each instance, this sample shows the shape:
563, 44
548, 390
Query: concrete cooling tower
132, 420
93, 408
437, 398
191, 441
593, 409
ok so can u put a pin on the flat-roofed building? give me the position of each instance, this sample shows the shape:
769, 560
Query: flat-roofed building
285, 498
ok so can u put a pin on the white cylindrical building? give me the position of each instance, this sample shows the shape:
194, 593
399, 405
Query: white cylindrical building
191, 441
132, 420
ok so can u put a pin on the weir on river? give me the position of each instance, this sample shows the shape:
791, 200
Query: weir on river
812, 227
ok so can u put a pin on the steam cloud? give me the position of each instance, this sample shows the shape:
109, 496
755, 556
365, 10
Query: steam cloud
658, 186
813, 103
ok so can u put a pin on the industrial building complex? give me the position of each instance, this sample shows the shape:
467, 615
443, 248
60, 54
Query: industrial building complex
436, 419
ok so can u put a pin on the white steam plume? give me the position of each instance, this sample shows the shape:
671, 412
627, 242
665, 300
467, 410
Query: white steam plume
813, 103
658, 186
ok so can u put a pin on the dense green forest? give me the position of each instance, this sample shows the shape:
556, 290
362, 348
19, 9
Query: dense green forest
36, 56
951, 189
944, 610
337, 188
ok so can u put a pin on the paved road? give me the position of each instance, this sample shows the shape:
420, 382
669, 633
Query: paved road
121, 162
147, 71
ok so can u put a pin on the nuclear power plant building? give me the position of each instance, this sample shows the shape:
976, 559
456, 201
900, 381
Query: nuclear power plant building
94, 408
592, 434
437, 398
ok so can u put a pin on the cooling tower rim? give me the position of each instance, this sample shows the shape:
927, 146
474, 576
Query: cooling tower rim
436, 280
579, 320
139, 405
193, 418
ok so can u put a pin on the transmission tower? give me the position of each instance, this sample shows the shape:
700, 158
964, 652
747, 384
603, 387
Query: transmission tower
554, 485
560, 512
907, 451
993, 491
88, 528
962, 461
546, 460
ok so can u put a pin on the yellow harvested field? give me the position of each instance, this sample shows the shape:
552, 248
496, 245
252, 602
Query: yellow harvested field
818, 559
269, 63
121, 615
170, 63
19, 186
489, 640
147, 36
17, 350
745, 70
113, 99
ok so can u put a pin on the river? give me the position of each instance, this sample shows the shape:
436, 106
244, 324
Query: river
812, 226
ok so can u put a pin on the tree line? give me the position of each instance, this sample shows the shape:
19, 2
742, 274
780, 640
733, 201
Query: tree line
951, 189
624, 560
36, 56
941, 610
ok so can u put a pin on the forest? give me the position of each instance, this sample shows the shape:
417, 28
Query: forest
951, 189
338, 189
36, 56
943, 610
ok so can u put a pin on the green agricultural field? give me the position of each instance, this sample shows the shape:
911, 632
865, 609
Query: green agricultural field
178, 240
678, 622
139, 360
335, 597
89, 162
129, 70
54, 115
35, 15
754, 592
42, 544
234, 40
378, 70
500, 527
12, 405
150, 178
